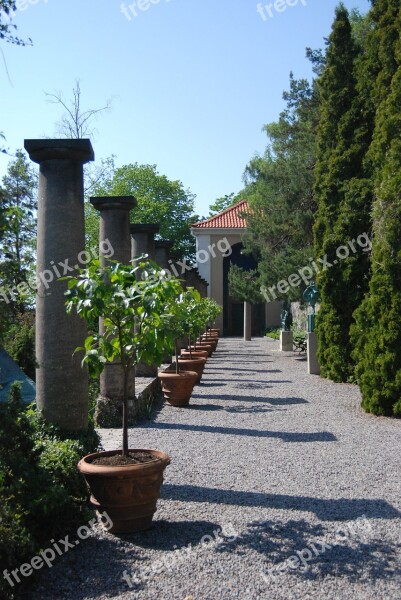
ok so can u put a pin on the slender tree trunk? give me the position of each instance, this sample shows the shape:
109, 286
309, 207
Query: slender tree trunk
177, 367
125, 414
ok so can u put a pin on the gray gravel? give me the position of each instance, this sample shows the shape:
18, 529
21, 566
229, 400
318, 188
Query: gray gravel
280, 487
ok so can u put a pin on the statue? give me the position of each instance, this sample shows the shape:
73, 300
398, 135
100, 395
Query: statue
286, 316
311, 295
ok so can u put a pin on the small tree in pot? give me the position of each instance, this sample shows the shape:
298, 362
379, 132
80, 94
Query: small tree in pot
133, 301
177, 386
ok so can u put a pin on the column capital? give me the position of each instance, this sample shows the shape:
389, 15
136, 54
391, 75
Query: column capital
150, 228
39, 150
113, 202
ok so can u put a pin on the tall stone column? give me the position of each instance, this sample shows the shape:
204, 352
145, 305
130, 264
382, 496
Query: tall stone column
143, 242
61, 383
162, 253
114, 234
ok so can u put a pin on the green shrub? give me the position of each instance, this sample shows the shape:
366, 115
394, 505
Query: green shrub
42, 494
300, 340
273, 333
19, 342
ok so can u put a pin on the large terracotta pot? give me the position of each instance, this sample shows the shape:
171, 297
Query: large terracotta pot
177, 387
216, 331
127, 493
210, 339
203, 346
195, 354
212, 342
194, 364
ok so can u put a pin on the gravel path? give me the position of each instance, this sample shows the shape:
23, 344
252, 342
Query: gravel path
280, 487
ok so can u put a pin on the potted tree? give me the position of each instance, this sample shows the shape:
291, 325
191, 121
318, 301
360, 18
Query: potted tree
178, 383
125, 482
212, 311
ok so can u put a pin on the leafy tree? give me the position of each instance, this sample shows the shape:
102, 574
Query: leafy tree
122, 298
222, 204
343, 195
244, 285
18, 206
279, 187
160, 200
377, 331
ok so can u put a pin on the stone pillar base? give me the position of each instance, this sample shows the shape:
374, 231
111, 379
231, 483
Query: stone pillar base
313, 365
145, 370
109, 411
286, 341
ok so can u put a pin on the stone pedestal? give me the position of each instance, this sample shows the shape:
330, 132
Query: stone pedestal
61, 382
286, 341
313, 365
247, 321
143, 242
114, 233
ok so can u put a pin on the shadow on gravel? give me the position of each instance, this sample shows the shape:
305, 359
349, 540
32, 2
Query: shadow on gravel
267, 400
236, 409
312, 552
319, 436
340, 509
239, 369
264, 381
173, 535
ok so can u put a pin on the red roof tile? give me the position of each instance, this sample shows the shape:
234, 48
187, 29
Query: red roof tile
228, 218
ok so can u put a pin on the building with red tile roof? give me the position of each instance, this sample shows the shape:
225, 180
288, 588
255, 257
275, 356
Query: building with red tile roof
233, 217
218, 245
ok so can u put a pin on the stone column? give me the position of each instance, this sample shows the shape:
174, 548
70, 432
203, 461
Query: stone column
162, 253
61, 383
313, 364
114, 225
247, 321
143, 242
143, 239
114, 235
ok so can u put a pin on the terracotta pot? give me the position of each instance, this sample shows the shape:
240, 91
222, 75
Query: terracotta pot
194, 364
177, 387
216, 331
128, 493
209, 341
202, 346
195, 354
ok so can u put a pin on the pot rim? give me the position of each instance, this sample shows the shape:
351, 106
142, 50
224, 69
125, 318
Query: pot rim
180, 375
86, 467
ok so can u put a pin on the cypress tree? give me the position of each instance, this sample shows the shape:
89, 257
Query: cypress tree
377, 331
343, 195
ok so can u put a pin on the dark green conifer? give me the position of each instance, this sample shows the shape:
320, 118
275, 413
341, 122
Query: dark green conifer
343, 194
377, 331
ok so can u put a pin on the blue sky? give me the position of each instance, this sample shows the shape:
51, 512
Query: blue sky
192, 81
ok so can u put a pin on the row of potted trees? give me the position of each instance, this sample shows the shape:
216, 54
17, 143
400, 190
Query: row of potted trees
145, 312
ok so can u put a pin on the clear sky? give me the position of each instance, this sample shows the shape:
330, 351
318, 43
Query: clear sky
192, 81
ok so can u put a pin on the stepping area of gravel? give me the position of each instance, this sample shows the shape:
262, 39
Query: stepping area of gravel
280, 487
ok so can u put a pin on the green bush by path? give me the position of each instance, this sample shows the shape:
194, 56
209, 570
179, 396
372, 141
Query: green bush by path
42, 495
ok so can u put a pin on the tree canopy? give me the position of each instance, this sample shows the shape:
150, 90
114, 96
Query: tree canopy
160, 200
